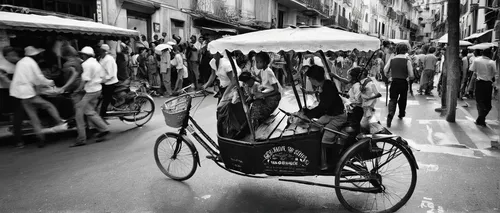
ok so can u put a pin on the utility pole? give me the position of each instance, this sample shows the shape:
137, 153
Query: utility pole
452, 58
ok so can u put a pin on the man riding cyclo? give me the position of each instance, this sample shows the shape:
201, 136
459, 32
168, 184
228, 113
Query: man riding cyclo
332, 109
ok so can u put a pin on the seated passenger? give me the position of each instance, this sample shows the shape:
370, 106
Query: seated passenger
330, 110
267, 95
362, 99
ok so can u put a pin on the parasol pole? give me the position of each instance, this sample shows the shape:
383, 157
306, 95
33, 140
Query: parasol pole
240, 93
288, 68
302, 79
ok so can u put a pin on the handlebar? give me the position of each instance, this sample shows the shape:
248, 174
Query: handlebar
314, 123
183, 92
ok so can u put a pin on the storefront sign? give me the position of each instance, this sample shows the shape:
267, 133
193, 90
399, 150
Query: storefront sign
285, 159
99, 11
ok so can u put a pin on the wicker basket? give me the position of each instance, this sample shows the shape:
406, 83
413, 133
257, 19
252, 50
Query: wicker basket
175, 111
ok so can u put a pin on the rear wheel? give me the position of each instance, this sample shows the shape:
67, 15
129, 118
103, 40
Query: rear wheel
388, 171
145, 108
175, 156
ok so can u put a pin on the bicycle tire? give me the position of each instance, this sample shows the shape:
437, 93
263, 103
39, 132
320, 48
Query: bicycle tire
183, 142
359, 149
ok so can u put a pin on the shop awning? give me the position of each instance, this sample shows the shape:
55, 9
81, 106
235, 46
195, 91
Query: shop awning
18, 21
477, 35
218, 30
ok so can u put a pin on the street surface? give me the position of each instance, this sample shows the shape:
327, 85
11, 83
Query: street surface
459, 172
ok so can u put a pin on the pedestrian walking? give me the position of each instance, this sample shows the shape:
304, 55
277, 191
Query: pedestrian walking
192, 53
398, 69
27, 76
110, 79
429, 69
485, 70
153, 75
165, 72
9, 103
92, 77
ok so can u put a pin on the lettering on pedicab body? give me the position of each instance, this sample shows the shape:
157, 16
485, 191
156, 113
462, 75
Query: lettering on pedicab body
285, 159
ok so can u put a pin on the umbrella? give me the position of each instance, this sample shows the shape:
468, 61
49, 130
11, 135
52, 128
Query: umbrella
299, 39
444, 40
161, 47
483, 46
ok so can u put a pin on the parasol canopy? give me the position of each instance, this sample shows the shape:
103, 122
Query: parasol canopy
483, 46
161, 47
444, 40
300, 39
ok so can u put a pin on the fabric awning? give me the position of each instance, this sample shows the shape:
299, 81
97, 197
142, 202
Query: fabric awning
18, 21
226, 30
477, 35
444, 40
299, 39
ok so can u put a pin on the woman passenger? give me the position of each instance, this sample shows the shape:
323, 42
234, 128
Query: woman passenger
222, 69
265, 94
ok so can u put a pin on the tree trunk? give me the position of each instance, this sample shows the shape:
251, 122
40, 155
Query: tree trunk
452, 58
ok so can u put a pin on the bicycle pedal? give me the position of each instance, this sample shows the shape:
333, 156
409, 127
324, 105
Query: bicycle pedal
214, 158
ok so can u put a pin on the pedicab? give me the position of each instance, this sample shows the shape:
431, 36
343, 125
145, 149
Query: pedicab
375, 172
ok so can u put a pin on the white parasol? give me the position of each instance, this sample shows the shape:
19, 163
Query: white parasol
299, 39
161, 47
483, 46
444, 40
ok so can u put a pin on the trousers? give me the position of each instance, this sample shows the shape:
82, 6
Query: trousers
32, 105
398, 94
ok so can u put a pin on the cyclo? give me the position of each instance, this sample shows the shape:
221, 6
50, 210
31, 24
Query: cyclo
375, 173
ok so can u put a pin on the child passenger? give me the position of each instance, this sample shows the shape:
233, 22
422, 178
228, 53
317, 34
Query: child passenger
362, 97
266, 94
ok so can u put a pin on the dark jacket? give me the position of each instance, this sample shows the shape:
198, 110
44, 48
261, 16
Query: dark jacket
330, 102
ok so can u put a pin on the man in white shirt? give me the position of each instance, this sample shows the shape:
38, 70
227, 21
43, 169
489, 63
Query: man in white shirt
27, 75
92, 76
485, 70
110, 79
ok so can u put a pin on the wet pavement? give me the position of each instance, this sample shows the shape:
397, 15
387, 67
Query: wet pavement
459, 172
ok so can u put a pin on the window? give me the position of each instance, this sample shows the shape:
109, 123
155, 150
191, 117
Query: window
335, 9
343, 12
383, 28
366, 17
177, 28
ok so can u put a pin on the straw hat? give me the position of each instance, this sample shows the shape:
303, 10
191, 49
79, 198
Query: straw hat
32, 51
105, 47
88, 51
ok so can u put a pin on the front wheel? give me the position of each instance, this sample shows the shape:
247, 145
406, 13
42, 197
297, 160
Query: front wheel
175, 156
384, 172
144, 108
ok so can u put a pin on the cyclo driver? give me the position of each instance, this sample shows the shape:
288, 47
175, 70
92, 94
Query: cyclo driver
330, 111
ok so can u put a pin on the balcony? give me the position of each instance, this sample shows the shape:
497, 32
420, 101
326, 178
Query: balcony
217, 9
330, 21
316, 5
343, 22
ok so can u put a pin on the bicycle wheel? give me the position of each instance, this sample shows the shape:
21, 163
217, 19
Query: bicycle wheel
145, 108
387, 171
175, 157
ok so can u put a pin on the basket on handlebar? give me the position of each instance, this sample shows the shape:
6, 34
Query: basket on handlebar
175, 110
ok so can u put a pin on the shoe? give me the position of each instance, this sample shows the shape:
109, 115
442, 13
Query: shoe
401, 116
41, 144
101, 136
389, 121
78, 144
440, 109
483, 124
20, 145
60, 127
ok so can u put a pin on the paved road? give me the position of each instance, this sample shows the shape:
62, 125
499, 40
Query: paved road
459, 172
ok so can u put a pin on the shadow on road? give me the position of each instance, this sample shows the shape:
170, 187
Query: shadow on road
168, 195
